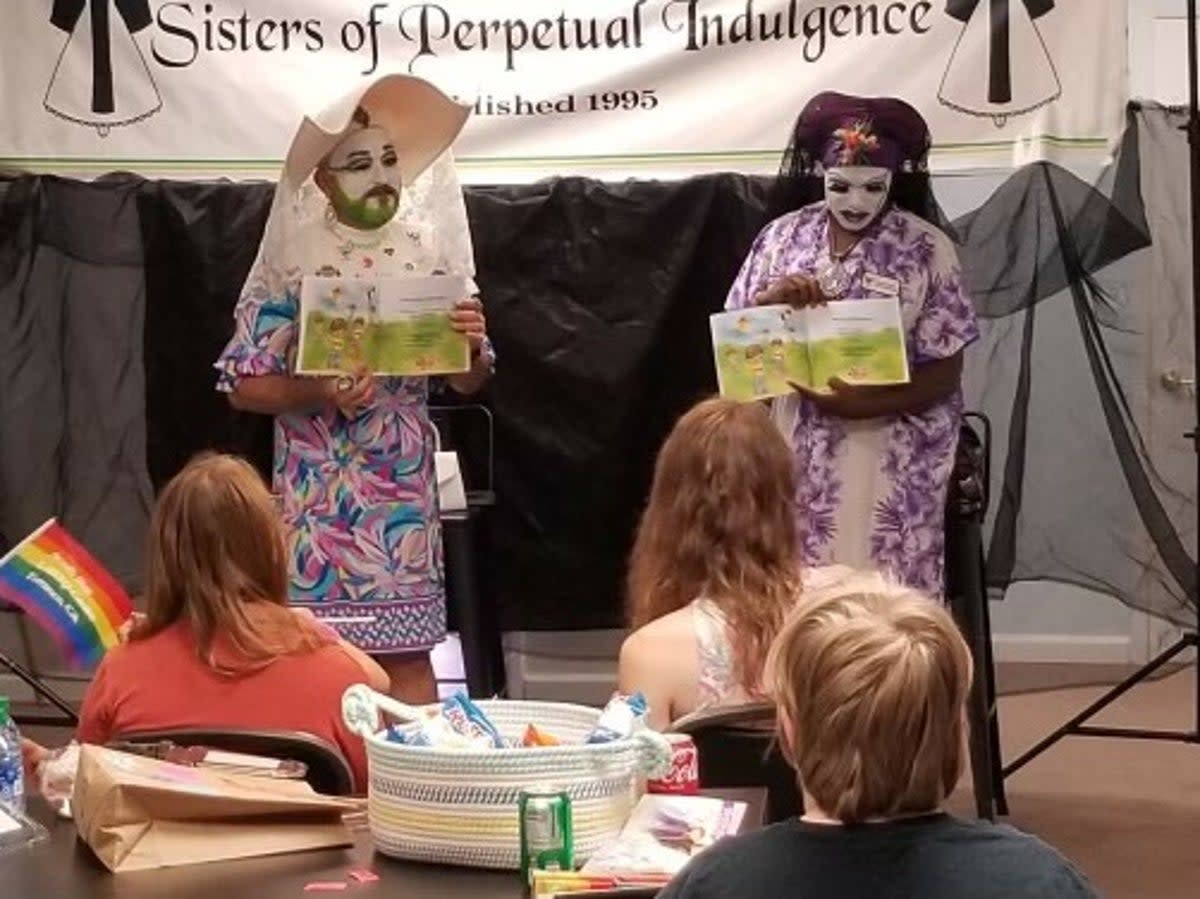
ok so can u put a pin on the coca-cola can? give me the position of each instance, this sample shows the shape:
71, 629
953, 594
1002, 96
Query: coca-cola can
684, 774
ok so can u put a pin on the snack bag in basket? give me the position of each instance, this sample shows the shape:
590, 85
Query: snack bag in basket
534, 736
460, 724
622, 717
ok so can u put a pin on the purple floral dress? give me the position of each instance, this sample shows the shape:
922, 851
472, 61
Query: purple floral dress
871, 494
358, 495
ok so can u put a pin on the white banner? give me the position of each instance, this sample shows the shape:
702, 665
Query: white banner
609, 88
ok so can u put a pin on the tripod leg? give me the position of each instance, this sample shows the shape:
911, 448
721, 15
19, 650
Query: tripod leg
41, 689
965, 589
982, 766
1072, 726
985, 741
995, 753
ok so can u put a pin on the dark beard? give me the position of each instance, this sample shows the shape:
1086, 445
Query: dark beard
383, 192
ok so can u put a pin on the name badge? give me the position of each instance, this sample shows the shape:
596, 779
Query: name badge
889, 287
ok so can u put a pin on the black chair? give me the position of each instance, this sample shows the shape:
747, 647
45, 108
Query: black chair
966, 593
469, 430
737, 748
327, 770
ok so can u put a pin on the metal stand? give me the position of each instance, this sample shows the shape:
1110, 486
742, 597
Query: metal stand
1076, 727
474, 619
1191, 640
68, 718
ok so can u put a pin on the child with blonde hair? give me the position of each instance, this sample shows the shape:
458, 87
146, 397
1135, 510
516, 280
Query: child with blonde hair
870, 681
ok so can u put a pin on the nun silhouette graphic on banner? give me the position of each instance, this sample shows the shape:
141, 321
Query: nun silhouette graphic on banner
101, 78
1019, 76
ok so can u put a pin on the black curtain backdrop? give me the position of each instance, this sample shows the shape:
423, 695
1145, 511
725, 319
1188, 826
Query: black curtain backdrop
597, 299
116, 296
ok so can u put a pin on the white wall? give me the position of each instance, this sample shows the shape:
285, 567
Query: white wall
1158, 50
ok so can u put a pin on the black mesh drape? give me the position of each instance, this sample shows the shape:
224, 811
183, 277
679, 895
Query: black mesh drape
1079, 497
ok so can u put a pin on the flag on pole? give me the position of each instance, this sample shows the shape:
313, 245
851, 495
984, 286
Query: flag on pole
58, 584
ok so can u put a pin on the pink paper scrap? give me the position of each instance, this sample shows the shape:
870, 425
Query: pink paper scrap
324, 886
362, 875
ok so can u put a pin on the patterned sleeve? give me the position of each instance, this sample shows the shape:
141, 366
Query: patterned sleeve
264, 333
756, 268
947, 320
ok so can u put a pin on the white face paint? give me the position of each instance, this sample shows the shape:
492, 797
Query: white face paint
366, 177
364, 159
856, 194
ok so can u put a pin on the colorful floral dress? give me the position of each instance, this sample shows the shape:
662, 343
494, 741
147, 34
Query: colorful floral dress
358, 495
871, 494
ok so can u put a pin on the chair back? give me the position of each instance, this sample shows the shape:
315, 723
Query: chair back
736, 746
966, 591
970, 479
326, 769
470, 430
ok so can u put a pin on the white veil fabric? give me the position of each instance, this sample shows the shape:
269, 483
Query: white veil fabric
431, 206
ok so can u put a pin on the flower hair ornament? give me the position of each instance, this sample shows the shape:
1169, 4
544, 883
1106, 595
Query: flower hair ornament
855, 144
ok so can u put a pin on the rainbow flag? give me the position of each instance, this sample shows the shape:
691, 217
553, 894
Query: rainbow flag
58, 584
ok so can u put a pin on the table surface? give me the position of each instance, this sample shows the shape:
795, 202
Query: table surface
63, 867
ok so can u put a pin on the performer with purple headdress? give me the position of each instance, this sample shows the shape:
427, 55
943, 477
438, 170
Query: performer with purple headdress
873, 463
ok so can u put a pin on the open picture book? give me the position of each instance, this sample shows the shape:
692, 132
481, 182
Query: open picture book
393, 326
759, 350
663, 834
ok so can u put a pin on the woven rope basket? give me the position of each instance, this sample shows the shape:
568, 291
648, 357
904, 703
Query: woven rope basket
459, 807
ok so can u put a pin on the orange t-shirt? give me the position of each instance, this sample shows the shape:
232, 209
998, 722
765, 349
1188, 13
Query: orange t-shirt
160, 682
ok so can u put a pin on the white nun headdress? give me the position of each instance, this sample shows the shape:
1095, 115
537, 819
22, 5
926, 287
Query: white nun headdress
421, 119
423, 122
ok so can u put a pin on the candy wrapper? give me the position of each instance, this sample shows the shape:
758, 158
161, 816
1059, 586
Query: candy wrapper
535, 737
622, 717
56, 778
460, 724
396, 734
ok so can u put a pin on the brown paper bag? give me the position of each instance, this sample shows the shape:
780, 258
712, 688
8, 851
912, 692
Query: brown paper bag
138, 813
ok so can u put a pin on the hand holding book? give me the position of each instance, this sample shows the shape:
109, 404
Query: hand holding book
467, 318
797, 291
353, 393
843, 399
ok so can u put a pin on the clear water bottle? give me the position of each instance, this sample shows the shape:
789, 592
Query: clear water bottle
12, 772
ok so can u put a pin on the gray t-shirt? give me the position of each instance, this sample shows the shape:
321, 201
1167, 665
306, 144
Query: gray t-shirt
930, 857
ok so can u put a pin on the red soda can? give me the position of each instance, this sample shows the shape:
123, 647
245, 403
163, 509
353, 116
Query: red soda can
684, 774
